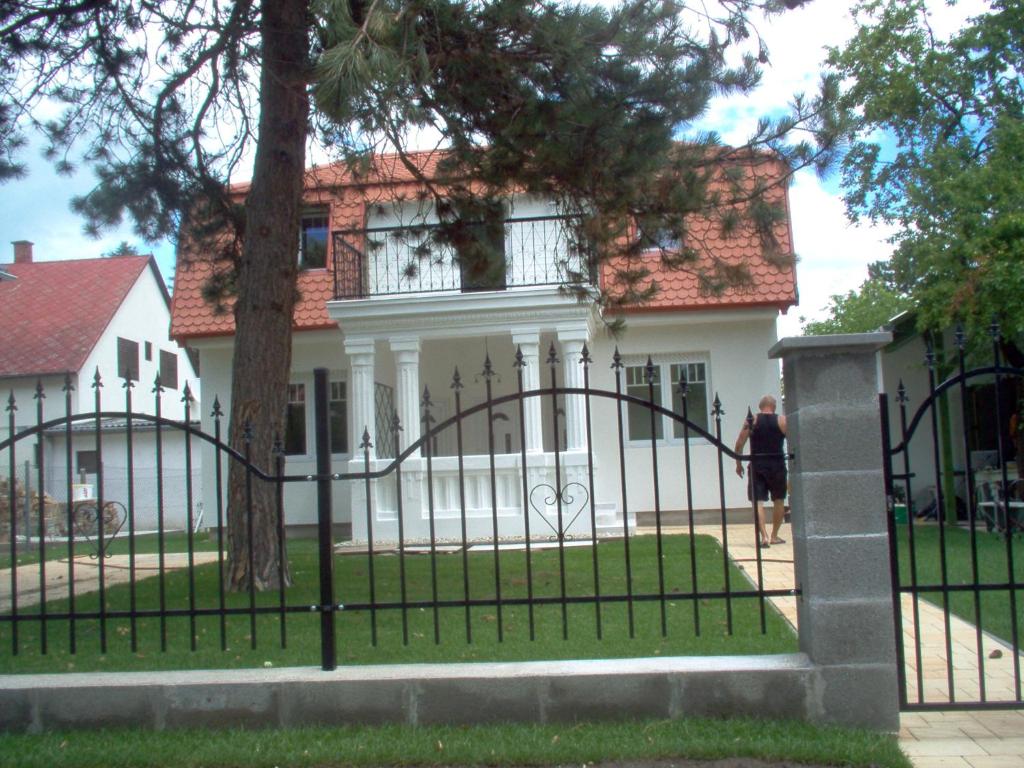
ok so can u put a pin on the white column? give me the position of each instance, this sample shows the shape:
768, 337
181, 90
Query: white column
360, 354
572, 343
529, 343
407, 367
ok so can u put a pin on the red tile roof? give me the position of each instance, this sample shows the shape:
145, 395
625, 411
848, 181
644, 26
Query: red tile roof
773, 281
53, 312
772, 278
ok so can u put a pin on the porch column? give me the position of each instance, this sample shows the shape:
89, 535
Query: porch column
361, 357
572, 377
407, 367
529, 343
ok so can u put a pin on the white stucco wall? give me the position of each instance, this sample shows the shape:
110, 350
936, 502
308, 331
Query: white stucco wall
143, 316
732, 344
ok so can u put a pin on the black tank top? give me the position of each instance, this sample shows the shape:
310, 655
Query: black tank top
766, 436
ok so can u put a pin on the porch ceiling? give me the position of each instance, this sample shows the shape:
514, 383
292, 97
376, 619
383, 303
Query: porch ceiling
460, 315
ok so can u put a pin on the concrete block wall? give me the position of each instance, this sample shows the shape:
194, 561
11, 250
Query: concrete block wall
840, 534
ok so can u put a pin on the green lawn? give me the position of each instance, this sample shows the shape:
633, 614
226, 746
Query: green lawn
531, 745
992, 566
355, 627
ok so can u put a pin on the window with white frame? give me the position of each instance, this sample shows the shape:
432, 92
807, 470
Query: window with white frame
295, 421
338, 414
663, 387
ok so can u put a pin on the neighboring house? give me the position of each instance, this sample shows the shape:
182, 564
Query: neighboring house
71, 320
388, 316
985, 407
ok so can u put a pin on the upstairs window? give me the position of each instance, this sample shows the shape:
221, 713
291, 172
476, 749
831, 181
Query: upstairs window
168, 370
313, 229
127, 359
478, 237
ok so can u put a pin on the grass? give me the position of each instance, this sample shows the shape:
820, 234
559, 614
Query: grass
578, 744
991, 559
409, 636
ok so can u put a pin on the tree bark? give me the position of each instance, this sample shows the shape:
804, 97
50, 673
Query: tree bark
266, 294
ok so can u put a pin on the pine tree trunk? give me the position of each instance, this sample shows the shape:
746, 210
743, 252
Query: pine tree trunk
266, 292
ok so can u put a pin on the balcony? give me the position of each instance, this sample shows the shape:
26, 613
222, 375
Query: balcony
425, 258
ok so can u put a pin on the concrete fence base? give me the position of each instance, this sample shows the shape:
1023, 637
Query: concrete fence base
776, 687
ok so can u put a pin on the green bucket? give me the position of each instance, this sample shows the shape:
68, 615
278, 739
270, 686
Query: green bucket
899, 512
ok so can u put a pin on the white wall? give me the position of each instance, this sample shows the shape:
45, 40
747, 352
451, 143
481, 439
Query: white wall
151, 494
733, 344
143, 316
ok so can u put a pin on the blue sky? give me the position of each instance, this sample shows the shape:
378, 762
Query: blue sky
833, 255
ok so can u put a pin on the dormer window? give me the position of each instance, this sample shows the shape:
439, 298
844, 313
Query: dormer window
313, 229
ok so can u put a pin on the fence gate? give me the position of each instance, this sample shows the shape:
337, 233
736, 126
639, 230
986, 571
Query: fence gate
956, 531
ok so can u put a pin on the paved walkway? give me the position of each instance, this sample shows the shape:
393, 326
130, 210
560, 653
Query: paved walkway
979, 739
87, 575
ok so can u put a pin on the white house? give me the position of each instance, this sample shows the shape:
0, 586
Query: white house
69, 322
387, 330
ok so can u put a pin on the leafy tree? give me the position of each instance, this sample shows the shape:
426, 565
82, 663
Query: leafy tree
939, 151
865, 309
167, 98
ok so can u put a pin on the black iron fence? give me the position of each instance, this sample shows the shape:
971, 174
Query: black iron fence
956, 519
531, 251
516, 580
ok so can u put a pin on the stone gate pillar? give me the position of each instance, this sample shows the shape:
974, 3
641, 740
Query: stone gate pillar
840, 533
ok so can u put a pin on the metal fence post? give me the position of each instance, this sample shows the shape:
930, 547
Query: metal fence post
325, 532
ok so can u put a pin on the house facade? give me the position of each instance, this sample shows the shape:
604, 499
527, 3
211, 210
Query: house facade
391, 313
77, 321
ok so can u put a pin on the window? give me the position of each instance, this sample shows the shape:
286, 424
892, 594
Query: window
127, 359
336, 411
666, 378
87, 462
479, 240
639, 416
664, 239
295, 421
168, 370
148, 351
697, 409
313, 229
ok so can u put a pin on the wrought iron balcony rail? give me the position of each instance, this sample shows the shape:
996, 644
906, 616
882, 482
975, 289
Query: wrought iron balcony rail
381, 261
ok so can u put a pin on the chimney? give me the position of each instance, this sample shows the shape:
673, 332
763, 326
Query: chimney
22, 251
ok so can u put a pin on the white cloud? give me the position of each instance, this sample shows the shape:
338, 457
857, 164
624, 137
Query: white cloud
833, 253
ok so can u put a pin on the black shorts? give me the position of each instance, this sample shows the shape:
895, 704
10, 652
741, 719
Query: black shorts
767, 481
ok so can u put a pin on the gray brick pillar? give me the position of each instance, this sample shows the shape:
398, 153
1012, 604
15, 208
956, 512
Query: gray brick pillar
840, 537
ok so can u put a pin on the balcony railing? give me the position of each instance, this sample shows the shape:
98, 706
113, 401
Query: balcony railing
382, 261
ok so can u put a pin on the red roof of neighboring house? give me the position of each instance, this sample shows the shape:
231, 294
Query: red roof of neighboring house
773, 281
54, 312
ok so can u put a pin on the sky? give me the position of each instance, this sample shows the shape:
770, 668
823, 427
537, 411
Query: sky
832, 254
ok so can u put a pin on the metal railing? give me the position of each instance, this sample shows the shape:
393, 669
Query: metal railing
657, 586
382, 261
957, 550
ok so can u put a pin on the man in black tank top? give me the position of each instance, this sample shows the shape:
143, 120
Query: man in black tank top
768, 467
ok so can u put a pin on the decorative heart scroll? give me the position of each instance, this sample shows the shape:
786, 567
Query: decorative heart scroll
86, 519
570, 507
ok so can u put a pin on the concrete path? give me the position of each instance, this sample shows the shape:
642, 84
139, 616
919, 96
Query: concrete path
116, 570
979, 739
